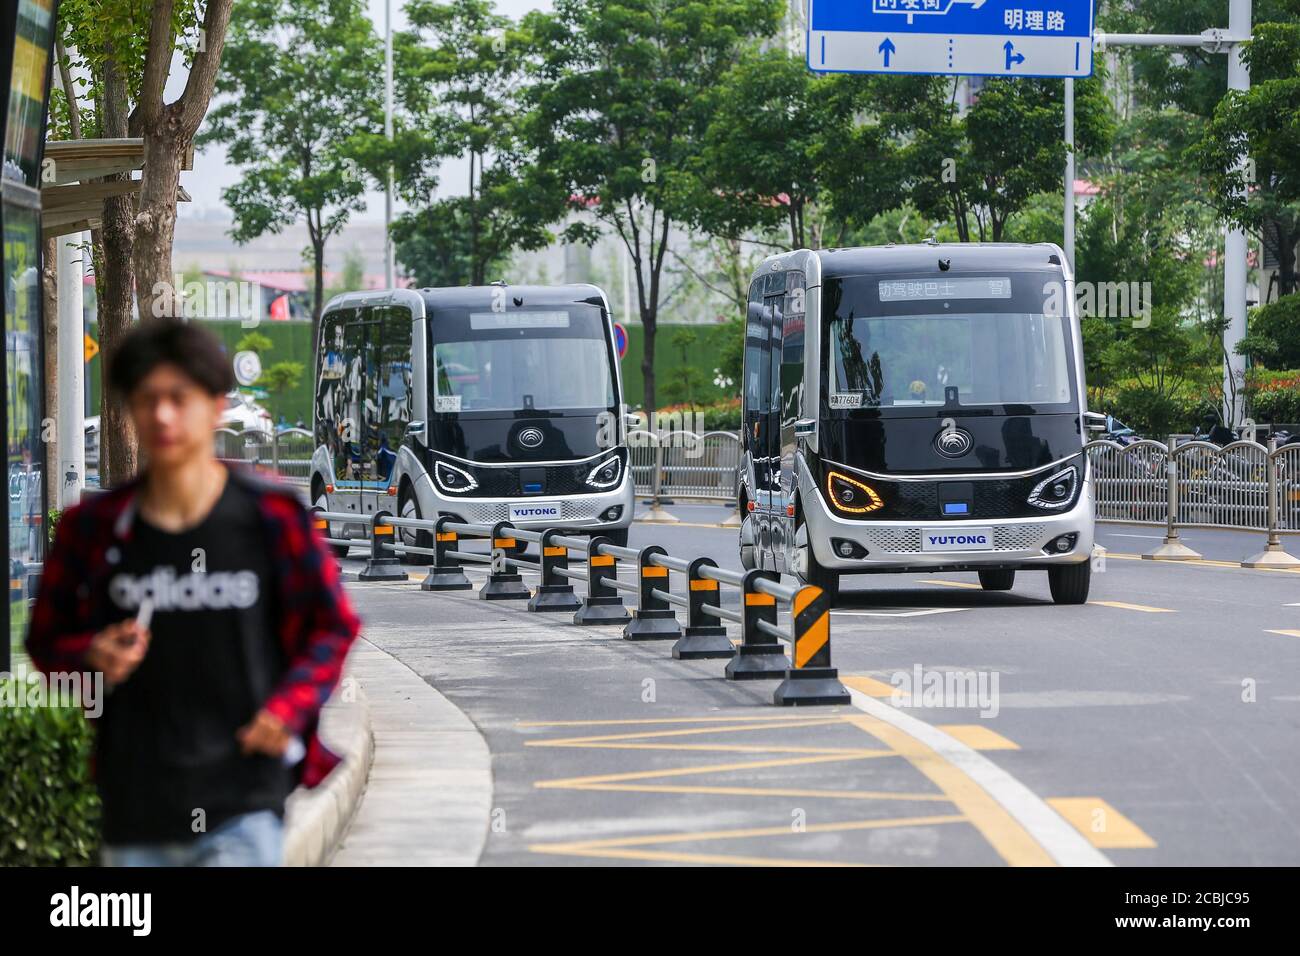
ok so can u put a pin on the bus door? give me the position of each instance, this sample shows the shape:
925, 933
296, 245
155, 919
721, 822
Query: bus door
757, 406
385, 406
773, 537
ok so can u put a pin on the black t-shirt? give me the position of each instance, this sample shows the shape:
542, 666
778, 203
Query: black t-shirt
166, 746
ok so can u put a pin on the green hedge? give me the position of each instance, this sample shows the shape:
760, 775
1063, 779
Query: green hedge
49, 810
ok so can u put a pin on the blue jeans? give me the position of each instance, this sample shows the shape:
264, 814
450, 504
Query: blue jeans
253, 839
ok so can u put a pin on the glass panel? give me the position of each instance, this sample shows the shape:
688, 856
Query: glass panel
533, 372
26, 106
23, 403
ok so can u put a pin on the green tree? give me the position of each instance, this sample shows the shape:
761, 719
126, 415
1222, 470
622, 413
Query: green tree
986, 165
1263, 196
301, 76
457, 70
619, 114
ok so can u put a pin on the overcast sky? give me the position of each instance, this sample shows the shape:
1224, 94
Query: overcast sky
211, 174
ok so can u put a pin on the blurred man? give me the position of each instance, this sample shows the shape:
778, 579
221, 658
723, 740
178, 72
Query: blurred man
211, 607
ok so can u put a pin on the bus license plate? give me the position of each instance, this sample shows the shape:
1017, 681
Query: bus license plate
536, 511
953, 539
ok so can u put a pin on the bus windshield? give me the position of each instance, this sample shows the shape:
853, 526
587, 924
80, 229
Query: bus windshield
542, 361
988, 353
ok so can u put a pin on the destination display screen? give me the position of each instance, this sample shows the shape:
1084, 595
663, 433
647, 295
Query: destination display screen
518, 320
915, 290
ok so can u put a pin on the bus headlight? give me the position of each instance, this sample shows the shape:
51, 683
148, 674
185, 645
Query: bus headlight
850, 495
1056, 491
606, 474
453, 480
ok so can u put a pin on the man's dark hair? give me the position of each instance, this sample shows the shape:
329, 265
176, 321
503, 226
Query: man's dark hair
189, 347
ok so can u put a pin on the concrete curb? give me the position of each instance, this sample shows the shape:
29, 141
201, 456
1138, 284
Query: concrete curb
316, 820
428, 799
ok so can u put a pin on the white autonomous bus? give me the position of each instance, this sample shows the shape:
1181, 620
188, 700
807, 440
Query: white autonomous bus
915, 408
485, 403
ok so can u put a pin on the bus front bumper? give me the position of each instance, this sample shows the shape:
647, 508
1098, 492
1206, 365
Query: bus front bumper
955, 545
580, 512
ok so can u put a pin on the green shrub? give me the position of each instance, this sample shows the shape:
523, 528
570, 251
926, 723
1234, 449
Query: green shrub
1156, 415
1277, 405
1275, 328
49, 810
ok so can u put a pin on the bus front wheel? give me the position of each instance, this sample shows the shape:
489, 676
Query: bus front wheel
1069, 583
409, 507
320, 500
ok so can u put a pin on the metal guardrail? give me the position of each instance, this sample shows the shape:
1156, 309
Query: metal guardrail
1241, 486
807, 676
683, 464
286, 453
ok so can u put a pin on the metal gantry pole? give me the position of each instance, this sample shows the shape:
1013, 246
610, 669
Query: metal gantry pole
1069, 171
390, 271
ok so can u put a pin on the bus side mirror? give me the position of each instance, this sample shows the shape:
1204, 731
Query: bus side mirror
805, 426
415, 428
1096, 421
632, 420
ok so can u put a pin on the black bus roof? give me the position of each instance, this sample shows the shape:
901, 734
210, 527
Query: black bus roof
924, 257
517, 296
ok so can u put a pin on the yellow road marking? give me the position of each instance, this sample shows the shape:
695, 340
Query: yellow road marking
659, 856
1134, 607
1201, 563
1011, 841
978, 737
1286, 633
710, 768
705, 748
738, 728
868, 685
950, 584
624, 843
765, 792
634, 721
1102, 825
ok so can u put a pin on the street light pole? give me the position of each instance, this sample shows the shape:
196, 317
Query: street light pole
1234, 243
390, 273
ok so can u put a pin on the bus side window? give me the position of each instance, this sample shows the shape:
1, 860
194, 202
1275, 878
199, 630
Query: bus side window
756, 369
794, 323
392, 385
331, 375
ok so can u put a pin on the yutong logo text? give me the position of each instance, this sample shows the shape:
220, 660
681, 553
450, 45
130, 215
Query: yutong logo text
958, 538
547, 511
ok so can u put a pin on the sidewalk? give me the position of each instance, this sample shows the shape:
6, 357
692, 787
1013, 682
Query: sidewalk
428, 797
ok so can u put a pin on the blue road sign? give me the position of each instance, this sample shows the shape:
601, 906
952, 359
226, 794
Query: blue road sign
951, 37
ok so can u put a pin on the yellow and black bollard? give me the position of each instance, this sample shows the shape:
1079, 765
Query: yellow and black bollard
760, 655
653, 619
503, 583
555, 593
601, 604
383, 563
445, 574
811, 679
705, 636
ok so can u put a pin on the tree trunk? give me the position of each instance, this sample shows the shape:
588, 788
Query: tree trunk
649, 322
155, 223
114, 282
113, 285
318, 264
50, 363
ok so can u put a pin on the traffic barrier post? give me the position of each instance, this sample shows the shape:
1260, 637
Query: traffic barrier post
810, 679
446, 573
383, 563
653, 619
503, 583
759, 655
555, 593
704, 637
602, 603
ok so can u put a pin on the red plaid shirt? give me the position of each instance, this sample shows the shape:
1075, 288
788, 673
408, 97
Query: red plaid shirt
316, 623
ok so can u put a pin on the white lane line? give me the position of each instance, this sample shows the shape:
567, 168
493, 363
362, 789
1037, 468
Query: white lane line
1116, 534
1066, 845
